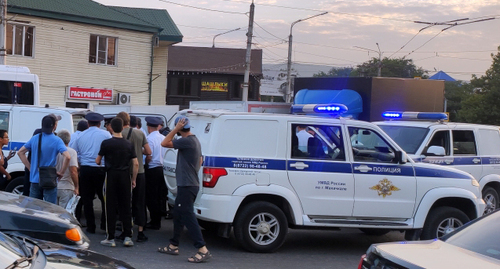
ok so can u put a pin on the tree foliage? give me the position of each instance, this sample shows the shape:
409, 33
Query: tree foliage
399, 68
335, 72
483, 105
455, 93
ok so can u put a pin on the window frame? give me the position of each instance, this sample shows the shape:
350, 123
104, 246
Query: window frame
370, 155
296, 153
23, 45
107, 52
453, 132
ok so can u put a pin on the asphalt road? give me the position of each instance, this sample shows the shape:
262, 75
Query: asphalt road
302, 249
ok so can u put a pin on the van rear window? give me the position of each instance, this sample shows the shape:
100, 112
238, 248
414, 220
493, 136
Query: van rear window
249, 138
12, 92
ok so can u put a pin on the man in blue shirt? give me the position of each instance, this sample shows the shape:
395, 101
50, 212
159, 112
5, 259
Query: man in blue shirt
51, 146
91, 175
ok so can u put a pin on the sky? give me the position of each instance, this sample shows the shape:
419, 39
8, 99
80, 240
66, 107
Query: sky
334, 39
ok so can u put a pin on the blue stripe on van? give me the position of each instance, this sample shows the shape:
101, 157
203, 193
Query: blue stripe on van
381, 169
249, 163
14, 145
330, 167
490, 160
430, 172
450, 160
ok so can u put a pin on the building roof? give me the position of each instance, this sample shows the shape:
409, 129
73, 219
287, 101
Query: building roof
442, 76
159, 17
213, 60
90, 12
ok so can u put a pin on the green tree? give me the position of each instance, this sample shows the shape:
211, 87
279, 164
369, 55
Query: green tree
399, 68
483, 105
455, 93
335, 72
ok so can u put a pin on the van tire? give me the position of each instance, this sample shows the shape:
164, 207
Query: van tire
442, 220
270, 227
16, 185
490, 197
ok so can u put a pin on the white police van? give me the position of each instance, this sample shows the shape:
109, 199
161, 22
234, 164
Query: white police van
258, 179
473, 148
21, 121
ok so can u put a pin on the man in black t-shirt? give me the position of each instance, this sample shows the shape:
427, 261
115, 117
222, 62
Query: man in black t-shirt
118, 154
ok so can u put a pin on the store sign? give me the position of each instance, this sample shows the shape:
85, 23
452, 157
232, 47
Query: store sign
94, 94
212, 86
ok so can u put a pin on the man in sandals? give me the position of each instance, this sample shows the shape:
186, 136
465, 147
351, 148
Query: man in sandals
189, 161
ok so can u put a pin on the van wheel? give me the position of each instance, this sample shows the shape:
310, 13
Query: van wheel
260, 227
441, 221
16, 185
490, 197
375, 232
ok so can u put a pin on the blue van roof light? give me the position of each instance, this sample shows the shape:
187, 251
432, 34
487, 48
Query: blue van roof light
330, 109
415, 115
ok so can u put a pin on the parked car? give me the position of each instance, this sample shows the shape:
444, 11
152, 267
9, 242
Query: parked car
475, 245
20, 252
40, 220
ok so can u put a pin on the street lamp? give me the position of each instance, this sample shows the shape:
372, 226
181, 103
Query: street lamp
379, 57
213, 41
288, 97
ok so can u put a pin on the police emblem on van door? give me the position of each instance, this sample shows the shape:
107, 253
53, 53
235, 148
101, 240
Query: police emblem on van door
384, 188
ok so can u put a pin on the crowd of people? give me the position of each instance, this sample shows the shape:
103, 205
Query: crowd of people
123, 166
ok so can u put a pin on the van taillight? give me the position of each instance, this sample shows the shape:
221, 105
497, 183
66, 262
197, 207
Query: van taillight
360, 265
211, 176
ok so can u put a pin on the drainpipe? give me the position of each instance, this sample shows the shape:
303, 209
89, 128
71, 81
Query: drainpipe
150, 88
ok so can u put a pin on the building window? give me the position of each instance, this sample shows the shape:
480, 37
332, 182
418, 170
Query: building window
102, 50
20, 40
184, 86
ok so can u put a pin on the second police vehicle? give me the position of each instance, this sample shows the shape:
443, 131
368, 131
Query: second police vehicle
473, 148
260, 179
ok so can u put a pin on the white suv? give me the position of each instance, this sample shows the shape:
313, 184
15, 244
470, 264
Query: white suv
471, 148
258, 180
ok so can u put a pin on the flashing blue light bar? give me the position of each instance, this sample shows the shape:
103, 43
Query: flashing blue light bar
336, 109
415, 115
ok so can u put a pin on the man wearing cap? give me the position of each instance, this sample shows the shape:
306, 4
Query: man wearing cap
81, 126
141, 146
189, 161
154, 173
92, 175
46, 155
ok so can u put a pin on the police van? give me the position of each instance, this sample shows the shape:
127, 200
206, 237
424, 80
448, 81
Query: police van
21, 121
260, 179
473, 148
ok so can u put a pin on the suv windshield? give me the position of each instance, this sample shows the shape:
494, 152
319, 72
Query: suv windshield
409, 138
481, 237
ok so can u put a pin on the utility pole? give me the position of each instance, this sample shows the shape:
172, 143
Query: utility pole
3, 10
379, 66
246, 79
288, 95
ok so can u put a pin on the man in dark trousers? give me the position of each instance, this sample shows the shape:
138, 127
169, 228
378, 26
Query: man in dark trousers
141, 146
91, 175
118, 154
189, 161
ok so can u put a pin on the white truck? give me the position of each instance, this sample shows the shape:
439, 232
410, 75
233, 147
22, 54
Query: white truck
260, 180
472, 148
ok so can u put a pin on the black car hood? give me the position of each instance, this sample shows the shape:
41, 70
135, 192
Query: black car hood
19, 212
59, 256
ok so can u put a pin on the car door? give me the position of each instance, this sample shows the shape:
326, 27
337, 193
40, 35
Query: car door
384, 189
319, 172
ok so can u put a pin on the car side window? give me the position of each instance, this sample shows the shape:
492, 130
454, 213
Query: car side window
464, 143
369, 146
441, 139
317, 142
4, 120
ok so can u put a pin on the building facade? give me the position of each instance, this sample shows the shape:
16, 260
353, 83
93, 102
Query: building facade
111, 50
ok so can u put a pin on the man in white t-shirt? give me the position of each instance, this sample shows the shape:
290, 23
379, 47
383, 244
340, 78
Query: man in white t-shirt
303, 136
68, 184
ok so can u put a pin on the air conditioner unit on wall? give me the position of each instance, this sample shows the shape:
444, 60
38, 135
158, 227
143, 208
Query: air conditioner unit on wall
123, 99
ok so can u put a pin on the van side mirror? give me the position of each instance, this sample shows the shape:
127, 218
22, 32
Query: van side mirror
435, 151
401, 157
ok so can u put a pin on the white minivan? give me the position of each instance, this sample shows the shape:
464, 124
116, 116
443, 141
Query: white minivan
257, 180
21, 121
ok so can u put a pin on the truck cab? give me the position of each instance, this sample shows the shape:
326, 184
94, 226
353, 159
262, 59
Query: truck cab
259, 179
472, 148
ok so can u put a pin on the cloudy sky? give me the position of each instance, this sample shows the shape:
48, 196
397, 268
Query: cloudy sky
330, 39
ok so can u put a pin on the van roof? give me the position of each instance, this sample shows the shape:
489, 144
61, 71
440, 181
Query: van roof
429, 124
49, 109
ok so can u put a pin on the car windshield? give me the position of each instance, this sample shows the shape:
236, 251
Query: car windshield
408, 138
482, 237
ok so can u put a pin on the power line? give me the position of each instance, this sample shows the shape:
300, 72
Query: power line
206, 9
